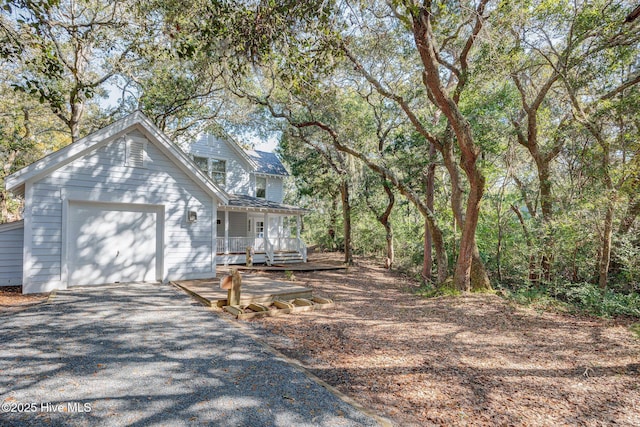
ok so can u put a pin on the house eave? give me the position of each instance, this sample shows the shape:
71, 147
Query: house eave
295, 211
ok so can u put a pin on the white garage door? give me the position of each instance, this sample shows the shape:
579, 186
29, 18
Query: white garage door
110, 243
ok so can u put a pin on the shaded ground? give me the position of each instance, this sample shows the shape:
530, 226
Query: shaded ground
147, 355
471, 360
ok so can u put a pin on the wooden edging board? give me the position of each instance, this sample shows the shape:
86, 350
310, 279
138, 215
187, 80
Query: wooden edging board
241, 315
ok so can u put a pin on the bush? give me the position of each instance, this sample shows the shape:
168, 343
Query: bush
583, 297
593, 300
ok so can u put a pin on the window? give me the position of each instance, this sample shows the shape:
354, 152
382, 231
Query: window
216, 169
202, 163
261, 187
259, 229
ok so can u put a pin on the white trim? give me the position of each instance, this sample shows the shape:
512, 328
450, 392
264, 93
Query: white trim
228, 139
214, 233
226, 232
11, 226
295, 211
270, 175
28, 240
64, 229
107, 203
136, 120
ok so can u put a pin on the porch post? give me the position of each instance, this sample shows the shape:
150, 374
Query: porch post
226, 232
266, 226
298, 227
265, 235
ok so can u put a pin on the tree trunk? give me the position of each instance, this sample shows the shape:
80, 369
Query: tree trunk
346, 217
469, 254
428, 240
479, 275
384, 220
546, 204
469, 151
533, 276
606, 247
333, 222
603, 268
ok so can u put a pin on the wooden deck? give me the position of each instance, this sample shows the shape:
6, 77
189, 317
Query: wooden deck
255, 289
303, 266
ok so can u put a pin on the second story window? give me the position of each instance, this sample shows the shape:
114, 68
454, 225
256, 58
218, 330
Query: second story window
216, 169
261, 187
202, 163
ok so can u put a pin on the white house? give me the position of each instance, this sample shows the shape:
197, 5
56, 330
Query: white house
255, 216
125, 204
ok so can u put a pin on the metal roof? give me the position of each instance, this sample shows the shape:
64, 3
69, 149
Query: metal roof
268, 163
242, 202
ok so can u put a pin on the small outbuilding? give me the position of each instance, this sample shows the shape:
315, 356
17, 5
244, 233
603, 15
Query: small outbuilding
123, 204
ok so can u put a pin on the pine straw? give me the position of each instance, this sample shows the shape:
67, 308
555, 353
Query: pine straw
469, 360
11, 298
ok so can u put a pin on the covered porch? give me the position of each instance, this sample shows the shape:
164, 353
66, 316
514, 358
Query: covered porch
270, 229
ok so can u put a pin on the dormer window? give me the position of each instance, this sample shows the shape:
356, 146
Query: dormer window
261, 187
215, 168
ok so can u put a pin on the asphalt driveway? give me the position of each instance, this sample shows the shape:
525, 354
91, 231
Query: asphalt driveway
144, 354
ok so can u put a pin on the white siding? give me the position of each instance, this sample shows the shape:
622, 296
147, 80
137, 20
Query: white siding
274, 189
102, 175
238, 170
237, 224
11, 239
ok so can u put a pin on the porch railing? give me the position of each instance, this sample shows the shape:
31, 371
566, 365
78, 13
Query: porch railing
285, 244
238, 245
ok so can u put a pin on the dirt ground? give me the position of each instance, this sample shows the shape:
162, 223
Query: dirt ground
469, 360
11, 298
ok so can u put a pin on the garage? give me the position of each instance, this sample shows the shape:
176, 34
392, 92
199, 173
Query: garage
111, 243
123, 204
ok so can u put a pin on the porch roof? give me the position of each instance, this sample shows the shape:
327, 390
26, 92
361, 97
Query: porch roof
247, 203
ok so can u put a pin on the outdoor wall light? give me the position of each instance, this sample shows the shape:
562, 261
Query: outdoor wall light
192, 216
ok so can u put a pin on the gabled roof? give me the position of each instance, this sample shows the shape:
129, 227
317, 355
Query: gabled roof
268, 163
228, 139
242, 202
136, 120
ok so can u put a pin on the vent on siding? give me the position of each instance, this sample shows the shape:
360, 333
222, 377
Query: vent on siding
135, 153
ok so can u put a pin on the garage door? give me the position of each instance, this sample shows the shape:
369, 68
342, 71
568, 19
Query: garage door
110, 243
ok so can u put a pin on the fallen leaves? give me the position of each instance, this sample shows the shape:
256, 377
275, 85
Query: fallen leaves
468, 360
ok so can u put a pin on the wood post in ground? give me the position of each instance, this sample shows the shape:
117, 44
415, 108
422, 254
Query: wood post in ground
233, 294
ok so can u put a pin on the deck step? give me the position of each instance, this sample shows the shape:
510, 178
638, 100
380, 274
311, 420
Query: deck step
287, 258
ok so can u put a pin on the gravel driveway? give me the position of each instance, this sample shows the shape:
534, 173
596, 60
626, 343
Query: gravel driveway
144, 354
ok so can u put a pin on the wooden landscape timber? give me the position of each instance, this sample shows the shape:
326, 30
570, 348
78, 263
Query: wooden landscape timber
279, 307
